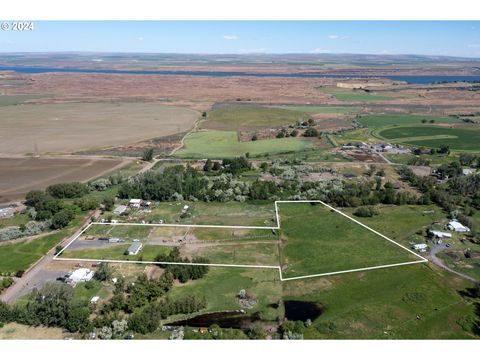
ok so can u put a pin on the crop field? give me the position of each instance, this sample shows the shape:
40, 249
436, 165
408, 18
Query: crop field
7, 100
251, 118
434, 136
225, 144
380, 120
316, 240
314, 109
20, 175
354, 96
384, 304
66, 128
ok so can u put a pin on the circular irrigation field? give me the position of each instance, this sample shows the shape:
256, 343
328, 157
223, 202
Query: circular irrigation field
464, 139
63, 128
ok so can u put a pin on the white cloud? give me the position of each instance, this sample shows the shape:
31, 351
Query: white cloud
339, 37
230, 37
473, 46
319, 51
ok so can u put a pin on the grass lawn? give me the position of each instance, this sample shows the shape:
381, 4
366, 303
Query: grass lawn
380, 120
384, 304
121, 231
258, 253
313, 109
317, 240
84, 292
221, 285
354, 95
8, 100
251, 118
400, 222
20, 256
433, 159
14, 331
225, 144
16, 220
434, 136
116, 252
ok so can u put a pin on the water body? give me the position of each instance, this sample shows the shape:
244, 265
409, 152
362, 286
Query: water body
302, 310
412, 79
225, 319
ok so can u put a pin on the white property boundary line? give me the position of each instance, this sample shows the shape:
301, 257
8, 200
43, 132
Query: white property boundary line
277, 227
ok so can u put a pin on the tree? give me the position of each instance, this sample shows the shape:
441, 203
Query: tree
294, 133
254, 137
444, 149
208, 165
67, 190
104, 272
61, 219
109, 203
311, 132
147, 155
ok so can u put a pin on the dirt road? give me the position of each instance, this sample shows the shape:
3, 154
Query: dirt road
31, 277
436, 248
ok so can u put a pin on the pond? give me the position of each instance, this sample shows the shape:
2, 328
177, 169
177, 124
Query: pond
302, 310
225, 319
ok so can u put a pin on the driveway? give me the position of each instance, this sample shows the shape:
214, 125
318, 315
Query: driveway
435, 249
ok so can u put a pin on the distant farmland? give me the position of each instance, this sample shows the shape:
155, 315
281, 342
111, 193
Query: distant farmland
224, 144
20, 175
434, 136
380, 120
66, 128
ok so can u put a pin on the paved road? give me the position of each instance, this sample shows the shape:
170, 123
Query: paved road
436, 248
31, 278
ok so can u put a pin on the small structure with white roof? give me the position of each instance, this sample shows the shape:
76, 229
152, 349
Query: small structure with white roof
440, 234
420, 247
135, 248
455, 225
80, 275
135, 203
119, 210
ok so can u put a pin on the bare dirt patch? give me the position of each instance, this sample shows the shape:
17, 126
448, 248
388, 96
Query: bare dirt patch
69, 127
20, 175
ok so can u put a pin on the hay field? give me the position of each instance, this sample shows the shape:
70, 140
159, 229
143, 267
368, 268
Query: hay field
65, 128
20, 175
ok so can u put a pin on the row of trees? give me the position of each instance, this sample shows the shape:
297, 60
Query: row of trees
181, 272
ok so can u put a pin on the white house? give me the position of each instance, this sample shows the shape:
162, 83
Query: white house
420, 247
94, 300
454, 225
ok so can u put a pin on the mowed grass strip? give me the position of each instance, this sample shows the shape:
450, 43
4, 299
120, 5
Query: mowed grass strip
117, 252
380, 120
225, 144
354, 96
314, 109
317, 240
251, 118
434, 136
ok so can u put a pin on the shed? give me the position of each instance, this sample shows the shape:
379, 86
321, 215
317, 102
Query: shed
440, 234
135, 248
94, 300
420, 247
119, 210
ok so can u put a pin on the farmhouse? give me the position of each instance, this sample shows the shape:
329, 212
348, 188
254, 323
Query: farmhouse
440, 234
454, 225
135, 248
420, 247
119, 210
80, 275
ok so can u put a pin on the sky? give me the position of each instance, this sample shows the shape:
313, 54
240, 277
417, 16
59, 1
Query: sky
450, 38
